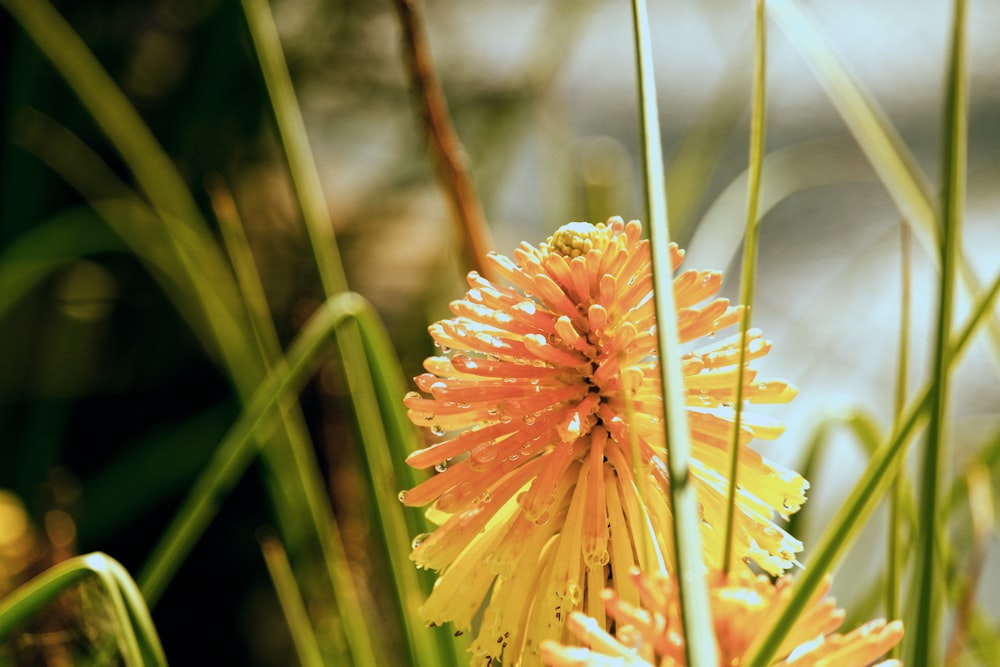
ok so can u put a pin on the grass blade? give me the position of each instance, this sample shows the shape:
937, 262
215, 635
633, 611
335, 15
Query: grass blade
895, 561
758, 125
383, 470
140, 643
696, 619
292, 605
925, 584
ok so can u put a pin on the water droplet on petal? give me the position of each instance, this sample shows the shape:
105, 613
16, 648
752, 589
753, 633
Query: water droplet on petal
441, 467
418, 540
437, 430
529, 419
486, 496
402, 496
411, 395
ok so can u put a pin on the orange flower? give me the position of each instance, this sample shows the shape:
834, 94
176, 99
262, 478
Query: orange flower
539, 392
742, 606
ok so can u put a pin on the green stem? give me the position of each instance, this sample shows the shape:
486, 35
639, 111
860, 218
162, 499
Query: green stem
928, 598
758, 126
699, 638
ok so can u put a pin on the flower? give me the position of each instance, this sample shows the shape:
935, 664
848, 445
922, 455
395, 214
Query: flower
742, 605
539, 392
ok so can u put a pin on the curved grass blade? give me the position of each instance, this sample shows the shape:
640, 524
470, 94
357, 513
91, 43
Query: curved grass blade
789, 170
49, 246
140, 642
696, 619
758, 125
241, 444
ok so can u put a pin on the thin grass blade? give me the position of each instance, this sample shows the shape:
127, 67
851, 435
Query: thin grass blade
699, 645
758, 126
926, 584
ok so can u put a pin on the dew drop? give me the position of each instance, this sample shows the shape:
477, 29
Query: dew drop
529, 419
441, 467
484, 453
486, 496
542, 519
402, 496
445, 349
437, 430
505, 418
510, 380
493, 411
418, 540
429, 416
411, 395
464, 406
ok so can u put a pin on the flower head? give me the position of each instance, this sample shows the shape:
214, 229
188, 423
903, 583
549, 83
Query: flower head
742, 605
541, 389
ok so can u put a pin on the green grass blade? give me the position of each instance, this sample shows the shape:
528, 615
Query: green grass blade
300, 452
758, 125
240, 445
155, 173
291, 128
895, 561
140, 642
924, 631
290, 599
367, 393
865, 495
696, 618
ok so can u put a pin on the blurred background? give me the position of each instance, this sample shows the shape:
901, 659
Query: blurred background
109, 405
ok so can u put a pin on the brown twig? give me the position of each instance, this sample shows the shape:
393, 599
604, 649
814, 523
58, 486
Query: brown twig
450, 157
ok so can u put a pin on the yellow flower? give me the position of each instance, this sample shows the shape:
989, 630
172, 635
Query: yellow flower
742, 606
540, 389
